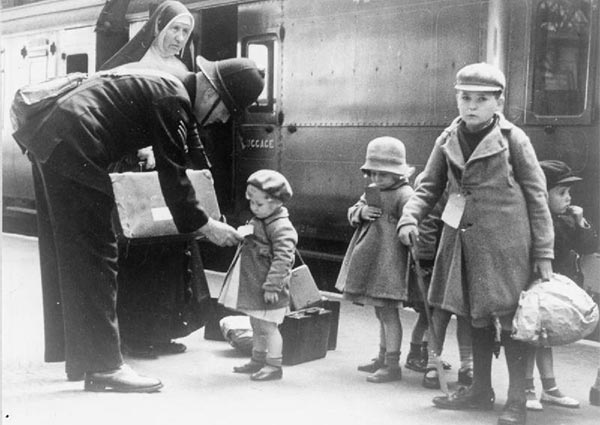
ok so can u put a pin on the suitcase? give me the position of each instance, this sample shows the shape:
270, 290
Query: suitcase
334, 307
305, 335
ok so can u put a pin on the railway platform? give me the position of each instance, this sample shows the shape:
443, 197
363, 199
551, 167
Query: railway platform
200, 388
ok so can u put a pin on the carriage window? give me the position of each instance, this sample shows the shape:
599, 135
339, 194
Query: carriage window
562, 55
262, 52
77, 63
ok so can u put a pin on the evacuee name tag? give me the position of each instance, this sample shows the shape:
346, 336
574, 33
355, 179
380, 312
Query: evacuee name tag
455, 207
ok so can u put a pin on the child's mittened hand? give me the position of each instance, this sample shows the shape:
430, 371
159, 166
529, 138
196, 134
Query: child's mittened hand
271, 297
370, 213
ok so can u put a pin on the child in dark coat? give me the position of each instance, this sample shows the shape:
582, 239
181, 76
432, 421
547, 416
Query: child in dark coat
257, 282
375, 266
497, 232
573, 237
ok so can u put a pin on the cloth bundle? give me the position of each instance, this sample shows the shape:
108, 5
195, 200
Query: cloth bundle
554, 312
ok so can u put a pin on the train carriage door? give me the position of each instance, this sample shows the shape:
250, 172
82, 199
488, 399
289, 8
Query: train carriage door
257, 139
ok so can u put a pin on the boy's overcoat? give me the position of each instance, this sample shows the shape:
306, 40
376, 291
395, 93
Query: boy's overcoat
482, 266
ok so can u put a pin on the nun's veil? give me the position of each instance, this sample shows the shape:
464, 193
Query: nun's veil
137, 47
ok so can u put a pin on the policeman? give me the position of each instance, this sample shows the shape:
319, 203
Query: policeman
89, 128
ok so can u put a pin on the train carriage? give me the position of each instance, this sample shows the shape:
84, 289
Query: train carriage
339, 73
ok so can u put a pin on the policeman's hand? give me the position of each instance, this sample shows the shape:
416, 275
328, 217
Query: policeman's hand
146, 155
370, 213
220, 233
405, 231
271, 297
543, 268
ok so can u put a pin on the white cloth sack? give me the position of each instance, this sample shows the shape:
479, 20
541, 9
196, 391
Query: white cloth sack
555, 312
237, 331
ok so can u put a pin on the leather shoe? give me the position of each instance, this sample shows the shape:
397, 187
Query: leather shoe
513, 413
466, 398
250, 367
267, 374
170, 347
372, 366
385, 374
139, 350
123, 380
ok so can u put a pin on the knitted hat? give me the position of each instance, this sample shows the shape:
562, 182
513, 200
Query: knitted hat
558, 173
273, 183
387, 154
480, 77
238, 81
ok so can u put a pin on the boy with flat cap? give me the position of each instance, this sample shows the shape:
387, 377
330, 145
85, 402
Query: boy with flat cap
497, 231
573, 237
105, 118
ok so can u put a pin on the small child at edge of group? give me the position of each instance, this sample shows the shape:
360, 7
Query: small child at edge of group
497, 232
375, 265
573, 236
257, 283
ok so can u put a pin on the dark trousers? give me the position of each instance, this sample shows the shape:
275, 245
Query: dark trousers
78, 260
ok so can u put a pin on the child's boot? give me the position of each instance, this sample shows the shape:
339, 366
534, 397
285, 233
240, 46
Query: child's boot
254, 365
389, 372
414, 360
270, 371
374, 364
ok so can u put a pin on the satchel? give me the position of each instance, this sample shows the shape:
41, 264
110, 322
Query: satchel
34, 99
555, 312
141, 211
303, 289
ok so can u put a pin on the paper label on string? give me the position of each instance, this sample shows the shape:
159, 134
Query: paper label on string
246, 230
454, 210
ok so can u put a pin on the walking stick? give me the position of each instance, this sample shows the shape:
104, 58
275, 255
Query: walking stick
432, 331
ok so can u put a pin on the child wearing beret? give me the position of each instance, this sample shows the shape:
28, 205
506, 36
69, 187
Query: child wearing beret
497, 232
258, 280
573, 237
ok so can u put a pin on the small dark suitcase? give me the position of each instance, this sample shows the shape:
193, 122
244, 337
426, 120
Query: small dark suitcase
212, 329
334, 307
305, 335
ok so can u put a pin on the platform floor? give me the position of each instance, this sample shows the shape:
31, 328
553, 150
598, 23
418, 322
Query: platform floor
201, 389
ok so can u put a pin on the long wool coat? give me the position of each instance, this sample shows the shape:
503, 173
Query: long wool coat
266, 261
376, 261
482, 266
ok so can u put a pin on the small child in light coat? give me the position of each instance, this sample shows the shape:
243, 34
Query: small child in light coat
257, 282
374, 269
573, 236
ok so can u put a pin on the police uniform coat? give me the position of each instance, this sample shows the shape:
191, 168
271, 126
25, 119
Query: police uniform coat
482, 266
71, 148
266, 261
376, 261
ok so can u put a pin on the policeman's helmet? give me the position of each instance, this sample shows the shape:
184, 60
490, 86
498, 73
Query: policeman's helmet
238, 81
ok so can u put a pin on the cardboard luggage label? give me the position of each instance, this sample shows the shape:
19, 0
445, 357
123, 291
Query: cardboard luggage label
453, 212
